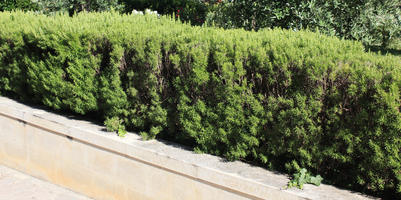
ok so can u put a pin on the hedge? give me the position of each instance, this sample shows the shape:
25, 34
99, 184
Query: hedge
278, 98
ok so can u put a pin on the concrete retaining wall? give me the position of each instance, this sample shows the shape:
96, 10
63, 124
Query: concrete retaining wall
81, 156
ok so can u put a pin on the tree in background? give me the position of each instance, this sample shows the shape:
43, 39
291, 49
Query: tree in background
374, 22
289, 14
52, 6
379, 23
9, 5
73, 6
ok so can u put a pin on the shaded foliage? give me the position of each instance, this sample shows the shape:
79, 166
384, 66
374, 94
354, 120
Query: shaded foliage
9, 5
187, 10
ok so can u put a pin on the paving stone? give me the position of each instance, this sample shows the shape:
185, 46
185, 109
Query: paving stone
15, 185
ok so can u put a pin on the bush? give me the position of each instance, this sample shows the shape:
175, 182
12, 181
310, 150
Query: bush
287, 100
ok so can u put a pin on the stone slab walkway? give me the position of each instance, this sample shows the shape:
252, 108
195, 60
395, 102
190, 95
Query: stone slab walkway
15, 185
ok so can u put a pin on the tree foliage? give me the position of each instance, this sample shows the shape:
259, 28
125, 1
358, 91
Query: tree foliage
9, 5
75, 6
371, 21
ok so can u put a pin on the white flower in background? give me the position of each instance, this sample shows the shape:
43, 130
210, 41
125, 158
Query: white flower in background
135, 12
146, 12
150, 12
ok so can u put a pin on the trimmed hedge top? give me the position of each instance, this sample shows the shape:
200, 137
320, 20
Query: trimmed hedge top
281, 98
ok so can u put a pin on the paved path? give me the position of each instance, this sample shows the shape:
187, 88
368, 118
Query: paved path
15, 185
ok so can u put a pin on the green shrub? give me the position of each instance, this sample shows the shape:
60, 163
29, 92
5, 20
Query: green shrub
114, 124
287, 100
302, 177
